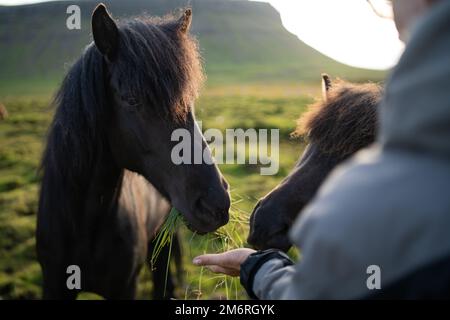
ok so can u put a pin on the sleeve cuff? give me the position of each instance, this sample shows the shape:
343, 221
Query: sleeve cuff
254, 262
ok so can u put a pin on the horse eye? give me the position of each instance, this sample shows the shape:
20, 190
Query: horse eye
131, 101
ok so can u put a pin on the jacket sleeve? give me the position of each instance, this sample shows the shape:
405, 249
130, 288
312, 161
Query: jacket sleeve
328, 268
278, 261
272, 280
322, 271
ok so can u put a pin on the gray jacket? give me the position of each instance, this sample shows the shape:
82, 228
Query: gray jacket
389, 205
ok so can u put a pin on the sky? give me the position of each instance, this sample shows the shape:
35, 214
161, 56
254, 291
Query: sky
347, 30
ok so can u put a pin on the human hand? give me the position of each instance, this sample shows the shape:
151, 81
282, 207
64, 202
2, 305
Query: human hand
228, 263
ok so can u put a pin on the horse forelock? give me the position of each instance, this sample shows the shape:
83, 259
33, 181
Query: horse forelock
159, 65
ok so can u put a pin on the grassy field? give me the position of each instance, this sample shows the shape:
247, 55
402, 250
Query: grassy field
22, 137
241, 42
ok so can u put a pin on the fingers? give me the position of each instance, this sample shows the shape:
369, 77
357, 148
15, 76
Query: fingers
218, 263
227, 271
211, 259
230, 259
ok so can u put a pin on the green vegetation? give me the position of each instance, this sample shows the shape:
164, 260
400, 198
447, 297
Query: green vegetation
22, 138
165, 233
259, 76
240, 41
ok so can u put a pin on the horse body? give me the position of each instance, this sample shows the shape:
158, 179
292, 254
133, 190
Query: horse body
108, 179
108, 237
125, 233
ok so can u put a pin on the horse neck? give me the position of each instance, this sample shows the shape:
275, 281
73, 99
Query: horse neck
103, 188
94, 197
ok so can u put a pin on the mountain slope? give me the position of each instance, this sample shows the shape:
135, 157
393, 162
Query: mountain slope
241, 41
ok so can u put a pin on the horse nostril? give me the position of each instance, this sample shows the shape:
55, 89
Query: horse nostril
212, 210
254, 241
204, 206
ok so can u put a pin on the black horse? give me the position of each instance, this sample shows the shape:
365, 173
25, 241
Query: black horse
337, 127
108, 176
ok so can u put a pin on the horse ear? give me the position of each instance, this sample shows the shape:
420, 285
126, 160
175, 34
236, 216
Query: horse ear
326, 86
184, 23
105, 32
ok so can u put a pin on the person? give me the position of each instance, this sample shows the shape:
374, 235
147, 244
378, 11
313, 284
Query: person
379, 225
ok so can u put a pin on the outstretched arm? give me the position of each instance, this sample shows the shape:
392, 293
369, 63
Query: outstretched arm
264, 274
228, 263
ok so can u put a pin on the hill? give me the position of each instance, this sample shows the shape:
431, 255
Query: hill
241, 42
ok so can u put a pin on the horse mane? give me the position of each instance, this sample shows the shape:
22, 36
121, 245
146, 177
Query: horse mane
346, 122
157, 65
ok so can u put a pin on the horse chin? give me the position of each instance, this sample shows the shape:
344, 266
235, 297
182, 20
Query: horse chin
195, 230
278, 241
199, 226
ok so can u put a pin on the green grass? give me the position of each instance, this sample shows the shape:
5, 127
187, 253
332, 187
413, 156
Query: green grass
165, 234
22, 138
241, 43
